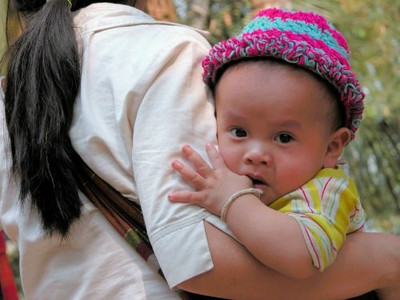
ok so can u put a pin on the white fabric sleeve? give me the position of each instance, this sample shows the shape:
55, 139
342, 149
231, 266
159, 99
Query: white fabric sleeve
174, 111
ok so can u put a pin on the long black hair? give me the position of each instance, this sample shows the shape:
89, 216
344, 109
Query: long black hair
43, 78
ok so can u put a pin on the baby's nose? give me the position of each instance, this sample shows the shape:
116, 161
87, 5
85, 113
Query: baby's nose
257, 155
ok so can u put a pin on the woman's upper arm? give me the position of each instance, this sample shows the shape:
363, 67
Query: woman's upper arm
236, 273
366, 262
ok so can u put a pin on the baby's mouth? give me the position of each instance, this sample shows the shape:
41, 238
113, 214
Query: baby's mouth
258, 183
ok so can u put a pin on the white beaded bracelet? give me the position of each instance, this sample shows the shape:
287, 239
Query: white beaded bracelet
257, 192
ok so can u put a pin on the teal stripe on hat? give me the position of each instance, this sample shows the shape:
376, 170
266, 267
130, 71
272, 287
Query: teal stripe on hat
298, 27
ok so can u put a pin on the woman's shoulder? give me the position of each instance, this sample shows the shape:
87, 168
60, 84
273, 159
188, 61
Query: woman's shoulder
184, 29
169, 33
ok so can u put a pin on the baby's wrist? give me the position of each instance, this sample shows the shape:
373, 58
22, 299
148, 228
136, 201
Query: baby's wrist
225, 207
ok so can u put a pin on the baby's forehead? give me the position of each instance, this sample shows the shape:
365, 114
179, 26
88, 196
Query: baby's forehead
290, 89
273, 67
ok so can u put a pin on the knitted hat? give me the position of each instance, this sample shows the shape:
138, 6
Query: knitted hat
302, 38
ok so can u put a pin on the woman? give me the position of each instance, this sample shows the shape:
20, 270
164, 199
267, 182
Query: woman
124, 91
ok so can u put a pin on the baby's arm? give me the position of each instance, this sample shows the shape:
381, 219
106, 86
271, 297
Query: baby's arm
273, 238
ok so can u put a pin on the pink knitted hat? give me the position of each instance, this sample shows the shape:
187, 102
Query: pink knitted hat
302, 38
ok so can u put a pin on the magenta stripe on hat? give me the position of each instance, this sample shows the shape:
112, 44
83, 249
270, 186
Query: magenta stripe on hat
315, 44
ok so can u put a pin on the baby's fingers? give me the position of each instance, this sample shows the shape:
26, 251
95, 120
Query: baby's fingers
185, 197
188, 174
215, 157
197, 161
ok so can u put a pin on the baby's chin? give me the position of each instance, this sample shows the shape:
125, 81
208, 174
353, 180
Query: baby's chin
270, 195
267, 197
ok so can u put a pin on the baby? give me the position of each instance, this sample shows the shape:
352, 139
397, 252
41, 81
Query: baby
287, 103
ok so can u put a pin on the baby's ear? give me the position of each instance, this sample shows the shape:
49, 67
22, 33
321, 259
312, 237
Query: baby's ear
337, 141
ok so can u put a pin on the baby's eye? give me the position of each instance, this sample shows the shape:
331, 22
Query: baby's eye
284, 138
239, 132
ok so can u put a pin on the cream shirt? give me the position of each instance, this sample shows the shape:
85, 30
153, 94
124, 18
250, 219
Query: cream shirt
141, 99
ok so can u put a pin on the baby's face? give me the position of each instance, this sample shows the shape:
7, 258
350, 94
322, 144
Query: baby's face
272, 124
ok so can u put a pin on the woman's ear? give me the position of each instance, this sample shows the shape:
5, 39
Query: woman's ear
337, 141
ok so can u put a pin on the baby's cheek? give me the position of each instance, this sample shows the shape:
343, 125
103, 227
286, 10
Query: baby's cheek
291, 179
232, 159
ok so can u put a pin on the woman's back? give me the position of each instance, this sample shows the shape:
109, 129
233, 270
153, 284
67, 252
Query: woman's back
123, 70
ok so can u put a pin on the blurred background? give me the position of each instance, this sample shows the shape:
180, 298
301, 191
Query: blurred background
373, 34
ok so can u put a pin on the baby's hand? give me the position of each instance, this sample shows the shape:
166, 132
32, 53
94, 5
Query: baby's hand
213, 185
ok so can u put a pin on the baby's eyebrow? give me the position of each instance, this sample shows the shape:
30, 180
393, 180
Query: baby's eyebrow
289, 124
